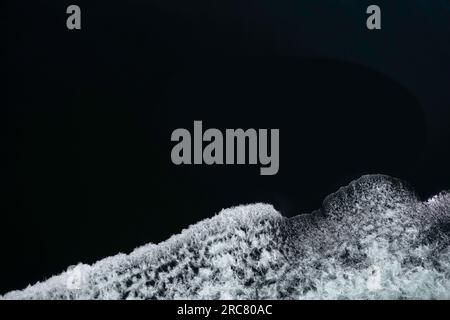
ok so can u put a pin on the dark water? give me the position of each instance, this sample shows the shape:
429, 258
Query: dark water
89, 117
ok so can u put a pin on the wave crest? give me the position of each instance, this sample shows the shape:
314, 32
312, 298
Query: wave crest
373, 239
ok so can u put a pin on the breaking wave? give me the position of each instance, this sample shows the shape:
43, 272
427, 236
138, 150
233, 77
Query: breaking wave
373, 239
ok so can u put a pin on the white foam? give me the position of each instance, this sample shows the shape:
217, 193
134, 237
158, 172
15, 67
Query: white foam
372, 240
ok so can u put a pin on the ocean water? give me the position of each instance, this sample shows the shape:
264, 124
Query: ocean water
373, 239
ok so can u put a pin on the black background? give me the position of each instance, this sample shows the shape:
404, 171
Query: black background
87, 115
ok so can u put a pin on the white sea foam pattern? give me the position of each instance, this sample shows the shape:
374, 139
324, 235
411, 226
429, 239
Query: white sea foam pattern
371, 240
